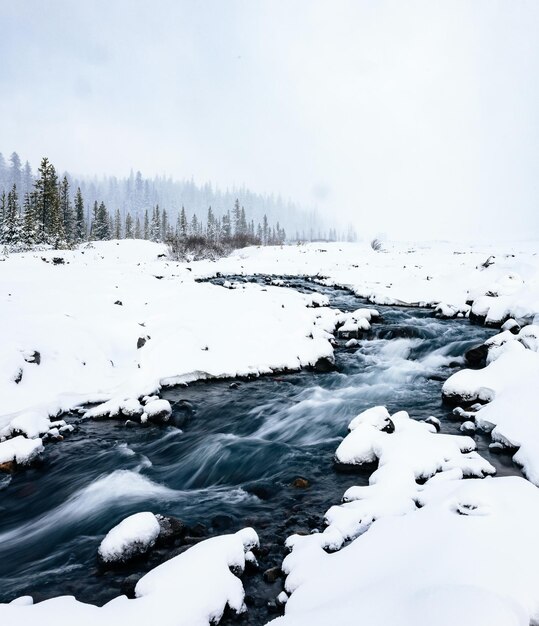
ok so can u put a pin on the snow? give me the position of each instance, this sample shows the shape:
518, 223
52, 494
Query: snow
468, 557
191, 589
158, 409
88, 345
20, 450
444, 552
134, 535
509, 384
406, 451
396, 551
82, 348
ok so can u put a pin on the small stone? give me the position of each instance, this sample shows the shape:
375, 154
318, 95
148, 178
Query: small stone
300, 483
435, 422
8, 467
119, 303
272, 574
468, 428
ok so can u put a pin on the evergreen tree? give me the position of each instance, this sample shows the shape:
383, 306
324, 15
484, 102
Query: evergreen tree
3, 206
27, 179
15, 173
236, 216
194, 226
117, 225
66, 211
80, 223
129, 226
48, 206
227, 226
11, 231
29, 227
164, 226
211, 233
183, 226
146, 225
155, 234
243, 222
138, 229
101, 227
265, 230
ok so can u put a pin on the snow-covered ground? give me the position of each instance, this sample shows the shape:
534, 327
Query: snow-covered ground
450, 551
115, 321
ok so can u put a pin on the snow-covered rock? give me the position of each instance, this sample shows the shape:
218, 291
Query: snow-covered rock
191, 589
158, 410
20, 450
132, 537
468, 556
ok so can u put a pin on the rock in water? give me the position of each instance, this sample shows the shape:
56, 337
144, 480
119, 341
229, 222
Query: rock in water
131, 538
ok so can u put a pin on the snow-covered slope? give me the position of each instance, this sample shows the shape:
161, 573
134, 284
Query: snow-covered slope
114, 321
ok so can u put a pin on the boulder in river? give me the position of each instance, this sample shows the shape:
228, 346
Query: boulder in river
477, 357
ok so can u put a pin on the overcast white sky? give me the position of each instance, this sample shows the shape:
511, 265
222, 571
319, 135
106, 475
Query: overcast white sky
413, 118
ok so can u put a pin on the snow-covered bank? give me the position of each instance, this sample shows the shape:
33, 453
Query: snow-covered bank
509, 384
446, 552
116, 320
191, 589
503, 279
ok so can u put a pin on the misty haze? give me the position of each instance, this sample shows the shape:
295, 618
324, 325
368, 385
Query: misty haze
269, 313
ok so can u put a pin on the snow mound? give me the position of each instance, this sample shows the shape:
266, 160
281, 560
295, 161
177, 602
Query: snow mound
133, 536
445, 563
20, 450
191, 589
509, 384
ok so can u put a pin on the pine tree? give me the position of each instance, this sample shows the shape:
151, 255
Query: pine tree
227, 226
48, 205
194, 225
210, 227
80, 223
164, 226
15, 173
29, 226
117, 225
155, 233
138, 228
236, 216
101, 226
11, 231
95, 221
183, 226
66, 211
129, 226
265, 230
243, 222
3, 203
146, 225
27, 178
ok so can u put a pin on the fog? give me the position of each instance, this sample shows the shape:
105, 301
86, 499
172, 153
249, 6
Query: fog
416, 119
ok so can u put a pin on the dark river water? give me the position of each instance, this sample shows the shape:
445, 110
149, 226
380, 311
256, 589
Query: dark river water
230, 460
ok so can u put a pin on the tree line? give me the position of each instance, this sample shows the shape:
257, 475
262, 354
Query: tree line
51, 213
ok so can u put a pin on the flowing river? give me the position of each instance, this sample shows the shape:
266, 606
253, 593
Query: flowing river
230, 459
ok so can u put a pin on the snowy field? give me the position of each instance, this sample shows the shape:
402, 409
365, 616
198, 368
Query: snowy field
114, 322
